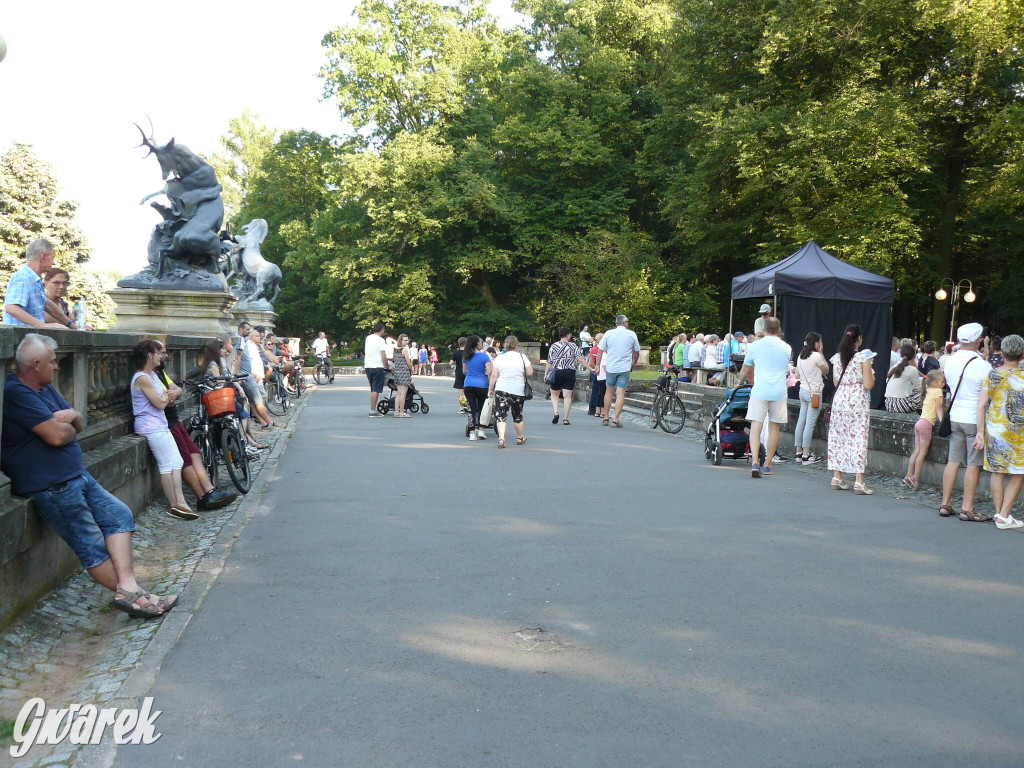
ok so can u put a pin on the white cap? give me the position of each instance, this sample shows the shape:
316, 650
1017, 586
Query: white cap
970, 333
765, 309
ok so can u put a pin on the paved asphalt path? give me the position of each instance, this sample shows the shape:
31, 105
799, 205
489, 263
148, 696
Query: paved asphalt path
598, 597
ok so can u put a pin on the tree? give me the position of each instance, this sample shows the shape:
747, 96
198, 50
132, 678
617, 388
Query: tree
30, 208
239, 165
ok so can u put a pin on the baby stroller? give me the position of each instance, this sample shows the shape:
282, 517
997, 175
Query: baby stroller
411, 396
726, 433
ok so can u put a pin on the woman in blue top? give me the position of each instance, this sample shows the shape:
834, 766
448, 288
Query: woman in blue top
477, 367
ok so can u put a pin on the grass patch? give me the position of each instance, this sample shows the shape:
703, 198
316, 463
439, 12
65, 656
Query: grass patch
6, 729
644, 375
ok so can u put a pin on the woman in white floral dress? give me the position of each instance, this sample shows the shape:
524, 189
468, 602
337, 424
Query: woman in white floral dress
848, 428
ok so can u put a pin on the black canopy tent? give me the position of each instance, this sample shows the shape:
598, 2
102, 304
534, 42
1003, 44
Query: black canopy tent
815, 291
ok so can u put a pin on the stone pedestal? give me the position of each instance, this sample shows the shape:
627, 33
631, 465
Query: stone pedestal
165, 312
532, 351
645, 356
254, 317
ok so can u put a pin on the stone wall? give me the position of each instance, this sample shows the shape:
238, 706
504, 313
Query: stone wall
94, 373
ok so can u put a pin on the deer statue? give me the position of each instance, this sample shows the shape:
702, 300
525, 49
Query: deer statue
259, 276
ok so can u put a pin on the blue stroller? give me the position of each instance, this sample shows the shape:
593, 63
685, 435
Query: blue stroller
726, 434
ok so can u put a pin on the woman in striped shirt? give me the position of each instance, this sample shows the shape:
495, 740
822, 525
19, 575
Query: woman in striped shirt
563, 357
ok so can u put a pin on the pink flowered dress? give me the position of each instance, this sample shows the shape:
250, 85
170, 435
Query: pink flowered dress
848, 430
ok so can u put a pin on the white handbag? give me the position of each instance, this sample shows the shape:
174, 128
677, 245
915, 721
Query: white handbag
487, 412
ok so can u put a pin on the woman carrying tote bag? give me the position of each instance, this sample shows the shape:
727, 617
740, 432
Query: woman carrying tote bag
509, 372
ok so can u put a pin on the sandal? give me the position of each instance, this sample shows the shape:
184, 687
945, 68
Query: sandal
604, 421
501, 443
861, 489
520, 441
1008, 523
946, 511
554, 419
565, 422
974, 517
839, 485
148, 610
616, 424
909, 482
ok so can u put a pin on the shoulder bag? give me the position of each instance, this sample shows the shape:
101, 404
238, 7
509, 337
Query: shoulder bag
946, 425
552, 359
527, 388
826, 412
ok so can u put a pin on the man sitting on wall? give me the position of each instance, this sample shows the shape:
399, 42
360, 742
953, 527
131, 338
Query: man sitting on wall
39, 451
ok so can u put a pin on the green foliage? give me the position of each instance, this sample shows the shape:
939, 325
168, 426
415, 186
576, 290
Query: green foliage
633, 156
30, 208
239, 166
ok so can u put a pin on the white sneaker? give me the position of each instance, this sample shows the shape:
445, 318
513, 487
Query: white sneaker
481, 434
472, 436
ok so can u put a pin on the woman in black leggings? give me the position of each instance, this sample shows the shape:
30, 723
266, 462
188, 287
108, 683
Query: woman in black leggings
477, 367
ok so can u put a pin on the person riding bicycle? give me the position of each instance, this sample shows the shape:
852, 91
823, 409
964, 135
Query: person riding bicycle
322, 350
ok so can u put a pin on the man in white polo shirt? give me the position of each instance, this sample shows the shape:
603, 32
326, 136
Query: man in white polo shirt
375, 363
620, 349
966, 371
769, 359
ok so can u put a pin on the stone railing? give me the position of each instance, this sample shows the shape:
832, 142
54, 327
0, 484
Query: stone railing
94, 372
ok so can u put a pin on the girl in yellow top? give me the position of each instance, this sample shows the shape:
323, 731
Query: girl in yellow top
931, 414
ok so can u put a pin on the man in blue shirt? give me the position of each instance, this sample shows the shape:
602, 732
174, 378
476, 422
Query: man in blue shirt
25, 299
39, 451
768, 360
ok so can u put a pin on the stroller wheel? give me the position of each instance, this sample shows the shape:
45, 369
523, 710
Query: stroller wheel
414, 408
383, 407
719, 453
467, 429
425, 408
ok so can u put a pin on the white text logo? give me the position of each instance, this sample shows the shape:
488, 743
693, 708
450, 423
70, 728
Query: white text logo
82, 725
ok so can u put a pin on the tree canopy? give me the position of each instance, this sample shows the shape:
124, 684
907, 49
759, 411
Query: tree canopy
30, 207
633, 156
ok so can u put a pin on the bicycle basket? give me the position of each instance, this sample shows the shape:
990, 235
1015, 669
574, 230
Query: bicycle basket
220, 402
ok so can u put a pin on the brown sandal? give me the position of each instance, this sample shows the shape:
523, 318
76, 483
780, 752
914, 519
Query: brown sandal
520, 441
974, 517
946, 511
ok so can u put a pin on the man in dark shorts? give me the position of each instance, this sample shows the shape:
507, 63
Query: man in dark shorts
460, 375
375, 363
193, 472
41, 455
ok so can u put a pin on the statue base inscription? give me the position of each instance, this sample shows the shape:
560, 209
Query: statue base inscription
160, 312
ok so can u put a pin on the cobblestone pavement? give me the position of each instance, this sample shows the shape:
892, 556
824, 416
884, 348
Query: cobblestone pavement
75, 648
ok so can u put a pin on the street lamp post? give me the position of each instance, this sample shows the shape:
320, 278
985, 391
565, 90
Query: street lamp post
953, 294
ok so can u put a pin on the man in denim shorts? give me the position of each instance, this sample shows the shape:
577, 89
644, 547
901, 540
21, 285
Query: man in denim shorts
621, 349
41, 455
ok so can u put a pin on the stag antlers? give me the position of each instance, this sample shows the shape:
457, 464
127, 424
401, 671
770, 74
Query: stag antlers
147, 141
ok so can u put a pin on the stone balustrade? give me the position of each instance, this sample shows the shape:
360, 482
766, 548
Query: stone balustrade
94, 373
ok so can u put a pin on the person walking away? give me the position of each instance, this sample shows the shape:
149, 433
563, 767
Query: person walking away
932, 394
811, 367
596, 405
966, 374
476, 366
851, 418
149, 399
903, 384
618, 351
563, 357
1001, 431
403, 375
460, 373
508, 387
767, 361
375, 363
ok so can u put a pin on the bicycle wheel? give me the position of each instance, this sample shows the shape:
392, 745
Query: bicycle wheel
655, 407
236, 460
207, 452
672, 414
275, 400
330, 374
319, 375
300, 383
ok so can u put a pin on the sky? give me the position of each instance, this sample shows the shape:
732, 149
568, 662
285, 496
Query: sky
77, 75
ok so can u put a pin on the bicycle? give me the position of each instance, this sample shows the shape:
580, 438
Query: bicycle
324, 370
217, 432
668, 410
299, 385
277, 394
